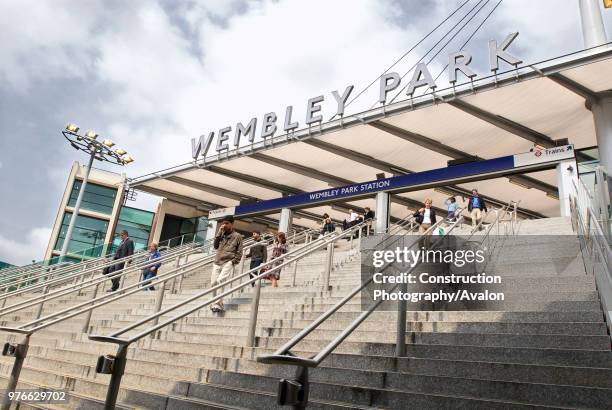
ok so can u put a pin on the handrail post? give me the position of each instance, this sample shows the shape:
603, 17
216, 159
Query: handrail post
116, 375
20, 353
329, 263
159, 300
88, 314
400, 337
181, 277
176, 265
242, 262
182, 239
295, 266
6, 290
42, 302
253, 315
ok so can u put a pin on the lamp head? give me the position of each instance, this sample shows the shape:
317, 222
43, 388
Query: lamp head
120, 151
127, 159
91, 134
108, 143
72, 128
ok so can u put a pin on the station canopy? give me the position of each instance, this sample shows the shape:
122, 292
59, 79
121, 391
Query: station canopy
495, 116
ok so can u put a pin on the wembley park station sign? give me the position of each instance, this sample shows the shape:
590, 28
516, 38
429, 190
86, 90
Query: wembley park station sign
457, 62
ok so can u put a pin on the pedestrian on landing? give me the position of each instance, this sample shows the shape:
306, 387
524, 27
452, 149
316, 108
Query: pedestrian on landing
280, 248
476, 207
125, 249
258, 252
228, 244
150, 272
452, 205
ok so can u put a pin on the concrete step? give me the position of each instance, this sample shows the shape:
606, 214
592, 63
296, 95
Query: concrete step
343, 389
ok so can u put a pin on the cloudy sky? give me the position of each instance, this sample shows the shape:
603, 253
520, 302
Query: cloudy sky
153, 74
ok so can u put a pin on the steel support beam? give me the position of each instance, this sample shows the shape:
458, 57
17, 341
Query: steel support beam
432, 145
589, 96
503, 123
179, 198
210, 189
358, 157
454, 153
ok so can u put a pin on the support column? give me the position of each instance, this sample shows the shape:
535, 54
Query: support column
593, 32
602, 117
593, 35
566, 172
286, 220
382, 212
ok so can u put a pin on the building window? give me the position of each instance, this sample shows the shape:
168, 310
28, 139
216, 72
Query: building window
87, 237
138, 224
97, 198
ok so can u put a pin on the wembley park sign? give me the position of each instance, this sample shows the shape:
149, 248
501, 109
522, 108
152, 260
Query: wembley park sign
457, 62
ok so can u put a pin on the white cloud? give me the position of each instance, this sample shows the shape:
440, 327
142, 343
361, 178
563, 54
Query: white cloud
21, 251
152, 90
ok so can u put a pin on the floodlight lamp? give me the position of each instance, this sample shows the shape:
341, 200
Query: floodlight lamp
108, 143
91, 134
127, 159
72, 128
120, 151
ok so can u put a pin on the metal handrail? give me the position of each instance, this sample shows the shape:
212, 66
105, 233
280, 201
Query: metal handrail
59, 280
95, 281
45, 263
283, 354
190, 247
41, 269
115, 365
77, 269
19, 351
595, 248
162, 278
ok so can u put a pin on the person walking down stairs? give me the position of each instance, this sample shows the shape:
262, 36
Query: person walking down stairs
476, 208
280, 248
150, 272
228, 244
258, 254
125, 249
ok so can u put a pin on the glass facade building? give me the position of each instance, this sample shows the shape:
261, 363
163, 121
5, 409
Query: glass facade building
97, 198
88, 237
138, 224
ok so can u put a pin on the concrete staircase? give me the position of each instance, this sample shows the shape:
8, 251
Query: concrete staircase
547, 348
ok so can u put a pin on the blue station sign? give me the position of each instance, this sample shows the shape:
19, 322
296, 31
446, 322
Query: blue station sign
508, 164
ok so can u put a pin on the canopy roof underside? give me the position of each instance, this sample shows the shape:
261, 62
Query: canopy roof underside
536, 104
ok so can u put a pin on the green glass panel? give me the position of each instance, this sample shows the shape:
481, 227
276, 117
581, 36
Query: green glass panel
97, 198
88, 233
